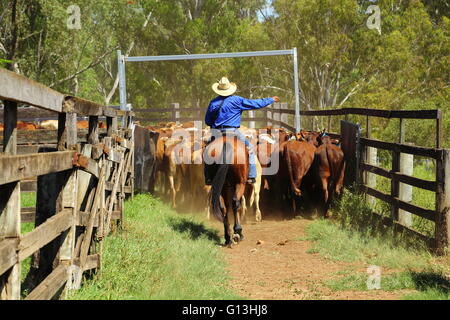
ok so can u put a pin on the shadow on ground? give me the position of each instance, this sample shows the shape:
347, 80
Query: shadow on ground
427, 280
194, 230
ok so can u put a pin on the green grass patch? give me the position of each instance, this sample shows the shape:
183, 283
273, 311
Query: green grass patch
339, 244
428, 285
159, 255
28, 199
354, 236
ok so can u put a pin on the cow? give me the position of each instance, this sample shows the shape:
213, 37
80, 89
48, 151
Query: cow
296, 158
328, 171
53, 125
197, 190
28, 126
82, 124
172, 172
252, 193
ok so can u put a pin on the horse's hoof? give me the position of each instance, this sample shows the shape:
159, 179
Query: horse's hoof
228, 245
258, 217
236, 238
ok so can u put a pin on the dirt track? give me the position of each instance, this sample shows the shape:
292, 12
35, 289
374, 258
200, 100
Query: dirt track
281, 268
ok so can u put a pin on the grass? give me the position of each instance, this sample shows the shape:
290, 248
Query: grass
428, 285
354, 237
159, 255
423, 198
27, 199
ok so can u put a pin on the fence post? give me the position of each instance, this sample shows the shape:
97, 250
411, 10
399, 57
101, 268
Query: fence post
439, 136
442, 224
251, 123
284, 116
10, 206
269, 115
67, 123
111, 123
371, 178
276, 113
176, 113
406, 167
395, 185
406, 190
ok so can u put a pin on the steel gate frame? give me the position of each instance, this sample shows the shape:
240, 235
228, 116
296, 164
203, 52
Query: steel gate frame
122, 60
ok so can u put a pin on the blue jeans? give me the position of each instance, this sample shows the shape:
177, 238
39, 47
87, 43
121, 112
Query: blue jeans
251, 152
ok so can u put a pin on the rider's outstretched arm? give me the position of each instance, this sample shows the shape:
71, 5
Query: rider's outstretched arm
250, 104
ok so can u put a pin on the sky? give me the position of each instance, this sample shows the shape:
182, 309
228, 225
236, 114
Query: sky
267, 11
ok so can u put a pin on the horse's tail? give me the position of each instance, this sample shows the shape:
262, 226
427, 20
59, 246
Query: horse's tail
218, 182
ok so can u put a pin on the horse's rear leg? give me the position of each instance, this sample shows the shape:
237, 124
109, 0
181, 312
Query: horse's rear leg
227, 230
236, 203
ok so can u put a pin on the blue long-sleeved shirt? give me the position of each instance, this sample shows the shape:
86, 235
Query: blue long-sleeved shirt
230, 113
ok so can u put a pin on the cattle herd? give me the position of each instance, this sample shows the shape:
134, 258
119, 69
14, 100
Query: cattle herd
309, 172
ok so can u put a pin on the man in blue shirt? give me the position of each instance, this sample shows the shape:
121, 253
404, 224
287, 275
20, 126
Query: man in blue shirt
224, 114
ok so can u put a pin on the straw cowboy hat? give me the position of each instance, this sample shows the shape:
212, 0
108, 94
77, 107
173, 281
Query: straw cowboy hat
224, 87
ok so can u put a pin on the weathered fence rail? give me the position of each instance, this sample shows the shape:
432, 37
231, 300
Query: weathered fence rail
82, 180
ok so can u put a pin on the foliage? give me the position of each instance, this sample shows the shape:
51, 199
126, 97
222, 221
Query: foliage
342, 63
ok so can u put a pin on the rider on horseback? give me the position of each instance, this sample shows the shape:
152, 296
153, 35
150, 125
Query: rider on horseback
224, 114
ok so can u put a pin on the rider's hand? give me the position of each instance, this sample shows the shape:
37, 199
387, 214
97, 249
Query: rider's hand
276, 99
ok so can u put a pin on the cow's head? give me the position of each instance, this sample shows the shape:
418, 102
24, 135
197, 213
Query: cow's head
309, 137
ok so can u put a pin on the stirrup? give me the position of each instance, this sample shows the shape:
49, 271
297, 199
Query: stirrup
208, 182
251, 180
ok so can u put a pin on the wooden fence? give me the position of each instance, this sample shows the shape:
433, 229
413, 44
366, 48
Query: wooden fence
81, 186
400, 173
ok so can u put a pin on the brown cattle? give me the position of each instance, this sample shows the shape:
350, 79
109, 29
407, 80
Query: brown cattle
171, 169
186, 125
328, 170
252, 195
296, 159
83, 124
21, 125
197, 190
267, 145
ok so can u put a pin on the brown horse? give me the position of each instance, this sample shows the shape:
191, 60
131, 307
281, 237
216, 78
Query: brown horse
229, 183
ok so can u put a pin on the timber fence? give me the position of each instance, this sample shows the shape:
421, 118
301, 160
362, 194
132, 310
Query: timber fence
82, 180
361, 153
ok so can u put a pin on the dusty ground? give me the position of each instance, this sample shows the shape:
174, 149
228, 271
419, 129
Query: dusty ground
281, 268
